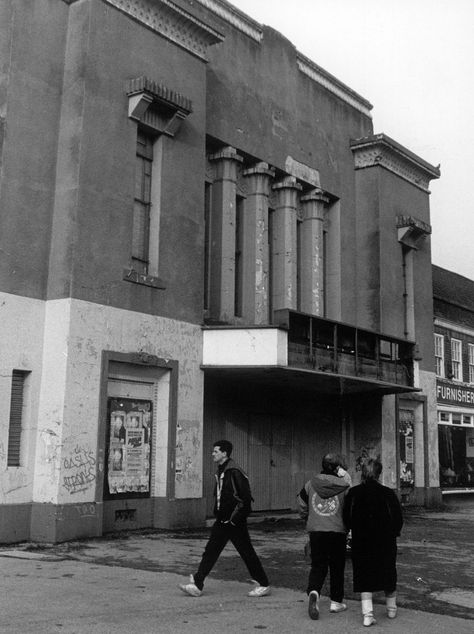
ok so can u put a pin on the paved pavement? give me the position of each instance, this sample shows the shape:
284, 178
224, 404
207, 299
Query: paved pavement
128, 583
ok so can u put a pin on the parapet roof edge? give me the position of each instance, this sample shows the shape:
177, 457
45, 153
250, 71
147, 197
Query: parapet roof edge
240, 20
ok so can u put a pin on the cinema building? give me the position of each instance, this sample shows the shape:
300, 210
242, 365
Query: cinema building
201, 236
454, 354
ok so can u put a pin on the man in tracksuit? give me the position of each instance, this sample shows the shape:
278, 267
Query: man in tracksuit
232, 507
321, 502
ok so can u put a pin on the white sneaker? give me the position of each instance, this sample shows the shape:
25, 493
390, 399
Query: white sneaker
369, 620
313, 605
259, 591
190, 588
337, 607
392, 612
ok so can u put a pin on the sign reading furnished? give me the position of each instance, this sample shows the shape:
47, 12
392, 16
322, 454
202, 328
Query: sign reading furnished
453, 394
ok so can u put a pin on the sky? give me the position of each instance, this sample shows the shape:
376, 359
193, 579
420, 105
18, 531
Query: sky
414, 61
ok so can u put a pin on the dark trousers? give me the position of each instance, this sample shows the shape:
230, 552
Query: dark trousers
240, 538
328, 551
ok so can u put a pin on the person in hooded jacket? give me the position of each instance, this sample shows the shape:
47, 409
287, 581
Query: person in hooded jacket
321, 501
232, 507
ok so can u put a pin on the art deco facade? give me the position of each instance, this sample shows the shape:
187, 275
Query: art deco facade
200, 237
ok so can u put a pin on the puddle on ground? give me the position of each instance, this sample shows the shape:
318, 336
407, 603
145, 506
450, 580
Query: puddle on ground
458, 596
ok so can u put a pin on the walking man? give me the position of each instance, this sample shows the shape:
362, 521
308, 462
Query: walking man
321, 504
231, 509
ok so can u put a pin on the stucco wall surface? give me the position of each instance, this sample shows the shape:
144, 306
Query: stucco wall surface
76, 332
23, 318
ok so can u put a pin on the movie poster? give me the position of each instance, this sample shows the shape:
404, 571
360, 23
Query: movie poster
128, 459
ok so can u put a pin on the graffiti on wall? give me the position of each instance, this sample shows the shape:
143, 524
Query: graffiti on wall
80, 469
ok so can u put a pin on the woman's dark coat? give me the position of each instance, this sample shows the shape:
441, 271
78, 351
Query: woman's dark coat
373, 513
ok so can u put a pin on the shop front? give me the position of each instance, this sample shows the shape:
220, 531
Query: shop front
455, 404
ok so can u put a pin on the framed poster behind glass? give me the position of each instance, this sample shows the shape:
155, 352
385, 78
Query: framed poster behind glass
128, 448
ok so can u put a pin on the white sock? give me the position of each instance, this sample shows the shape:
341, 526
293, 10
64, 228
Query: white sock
367, 605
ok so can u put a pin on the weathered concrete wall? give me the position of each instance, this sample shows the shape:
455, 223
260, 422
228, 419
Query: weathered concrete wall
23, 319
32, 36
76, 332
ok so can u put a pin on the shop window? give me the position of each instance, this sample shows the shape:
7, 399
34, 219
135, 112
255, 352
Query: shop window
456, 359
16, 417
439, 354
456, 456
471, 362
406, 430
444, 417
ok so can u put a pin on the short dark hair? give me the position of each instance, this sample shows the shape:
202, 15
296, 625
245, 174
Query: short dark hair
224, 445
331, 463
371, 470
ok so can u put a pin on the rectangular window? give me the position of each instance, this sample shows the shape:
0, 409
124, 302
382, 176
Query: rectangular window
439, 354
142, 203
471, 362
16, 416
456, 359
207, 243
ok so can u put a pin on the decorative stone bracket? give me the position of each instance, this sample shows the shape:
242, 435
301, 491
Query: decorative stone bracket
155, 106
412, 231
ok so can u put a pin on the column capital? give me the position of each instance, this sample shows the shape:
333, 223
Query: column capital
259, 169
288, 182
229, 153
315, 195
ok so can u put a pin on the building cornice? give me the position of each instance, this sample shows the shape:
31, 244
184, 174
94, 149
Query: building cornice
253, 29
331, 83
236, 18
172, 22
380, 150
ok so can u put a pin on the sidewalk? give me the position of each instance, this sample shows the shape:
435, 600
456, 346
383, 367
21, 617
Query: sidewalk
47, 594
128, 583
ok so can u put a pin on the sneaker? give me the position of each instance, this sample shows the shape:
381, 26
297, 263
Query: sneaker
392, 612
313, 605
190, 588
337, 607
369, 620
259, 591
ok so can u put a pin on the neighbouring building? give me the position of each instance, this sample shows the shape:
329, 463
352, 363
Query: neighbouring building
200, 237
454, 353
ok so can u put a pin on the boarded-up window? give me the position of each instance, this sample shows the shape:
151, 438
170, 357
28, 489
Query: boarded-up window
16, 410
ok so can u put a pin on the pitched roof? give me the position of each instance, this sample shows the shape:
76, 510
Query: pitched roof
453, 288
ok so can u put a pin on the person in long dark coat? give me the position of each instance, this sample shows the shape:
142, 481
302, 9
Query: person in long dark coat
373, 513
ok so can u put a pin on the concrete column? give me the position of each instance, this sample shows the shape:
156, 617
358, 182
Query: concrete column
284, 244
222, 234
255, 265
312, 253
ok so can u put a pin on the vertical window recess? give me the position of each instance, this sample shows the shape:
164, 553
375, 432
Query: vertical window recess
16, 415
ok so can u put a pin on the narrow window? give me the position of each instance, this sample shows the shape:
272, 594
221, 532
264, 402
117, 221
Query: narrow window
471, 362
16, 416
239, 282
270, 265
439, 354
456, 359
141, 209
299, 263
207, 243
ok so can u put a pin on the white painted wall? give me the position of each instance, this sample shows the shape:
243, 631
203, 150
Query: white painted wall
61, 342
245, 347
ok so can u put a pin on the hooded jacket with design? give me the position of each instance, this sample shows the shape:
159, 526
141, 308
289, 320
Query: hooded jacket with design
232, 493
321, 502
